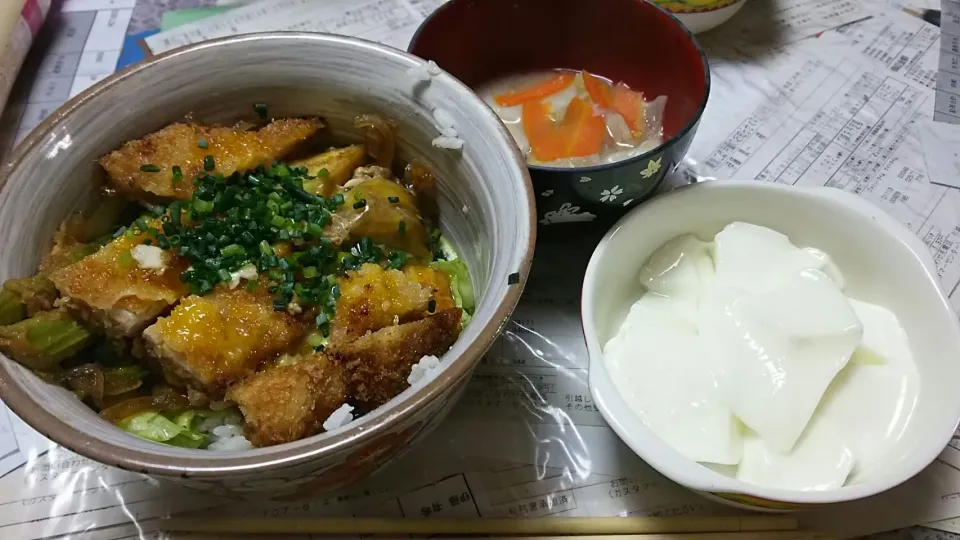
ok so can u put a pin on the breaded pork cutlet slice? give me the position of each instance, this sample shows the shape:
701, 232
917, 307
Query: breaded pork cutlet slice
287, 402
373, 297
212, 341
143, 168
376, 366
110, 290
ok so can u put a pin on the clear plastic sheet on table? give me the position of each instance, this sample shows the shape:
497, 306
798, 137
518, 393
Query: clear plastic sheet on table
525, 440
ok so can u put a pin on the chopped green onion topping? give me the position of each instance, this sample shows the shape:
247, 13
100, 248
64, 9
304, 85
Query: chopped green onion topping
149, 167
393, 200
402, 227
260, 109
203, 144
359, 204
209, 164
432, 305
177, 175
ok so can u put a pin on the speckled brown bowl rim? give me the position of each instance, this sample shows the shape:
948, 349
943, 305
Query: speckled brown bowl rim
290, 454
660, 148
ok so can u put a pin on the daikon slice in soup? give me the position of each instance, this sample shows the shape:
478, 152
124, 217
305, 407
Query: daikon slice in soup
565, 118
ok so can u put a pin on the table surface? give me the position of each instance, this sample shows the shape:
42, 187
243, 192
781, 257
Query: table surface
850, 108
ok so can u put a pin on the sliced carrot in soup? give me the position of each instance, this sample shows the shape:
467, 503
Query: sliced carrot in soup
582, 131
544, 136
630, 106
545, 88
600, 91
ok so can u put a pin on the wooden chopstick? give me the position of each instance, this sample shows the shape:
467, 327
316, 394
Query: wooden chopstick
586, 526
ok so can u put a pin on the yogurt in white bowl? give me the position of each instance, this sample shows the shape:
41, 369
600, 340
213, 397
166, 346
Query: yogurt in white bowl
877, 261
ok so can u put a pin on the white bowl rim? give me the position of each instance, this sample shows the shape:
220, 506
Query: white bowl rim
688, 473
217, 464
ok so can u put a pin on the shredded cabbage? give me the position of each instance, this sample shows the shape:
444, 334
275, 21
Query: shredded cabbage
177, 430
459, 276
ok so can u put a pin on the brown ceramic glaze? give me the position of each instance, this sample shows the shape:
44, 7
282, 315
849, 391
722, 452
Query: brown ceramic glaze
485, 200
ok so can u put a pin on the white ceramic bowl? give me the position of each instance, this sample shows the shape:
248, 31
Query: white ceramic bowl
702, 15
882, 261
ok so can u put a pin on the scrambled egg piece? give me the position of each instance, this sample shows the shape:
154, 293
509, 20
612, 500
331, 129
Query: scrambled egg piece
214, 340
111, 291
232, 149
374, 297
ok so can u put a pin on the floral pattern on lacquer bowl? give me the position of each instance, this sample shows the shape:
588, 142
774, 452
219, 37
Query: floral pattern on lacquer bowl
602, 194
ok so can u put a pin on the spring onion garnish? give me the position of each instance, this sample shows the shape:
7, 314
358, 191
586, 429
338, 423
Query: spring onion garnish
393, 200
177, 175
359, 204
432, 305
149, 167
265, 218
209, 164
203, 144
402, 227
261, 109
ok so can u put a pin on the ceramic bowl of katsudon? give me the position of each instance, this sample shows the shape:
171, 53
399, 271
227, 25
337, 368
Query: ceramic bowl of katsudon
603, 97
257, 274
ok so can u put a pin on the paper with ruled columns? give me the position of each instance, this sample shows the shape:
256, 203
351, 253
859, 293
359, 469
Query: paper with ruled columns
847, 108
948, 79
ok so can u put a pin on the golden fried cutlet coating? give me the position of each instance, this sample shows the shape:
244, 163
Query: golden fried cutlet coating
285, 403
373, 297
214, 340
436, 281
376, 366
110, 290
339, 164
232, 149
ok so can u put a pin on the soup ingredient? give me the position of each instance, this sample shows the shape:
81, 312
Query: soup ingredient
547, 87
144, 169
580, 133
745, 351
566, 118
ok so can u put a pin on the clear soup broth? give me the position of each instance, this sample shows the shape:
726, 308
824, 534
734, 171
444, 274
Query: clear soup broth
565, 118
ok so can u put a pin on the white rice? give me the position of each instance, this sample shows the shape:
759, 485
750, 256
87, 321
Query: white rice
424, 72
449, 137
424, 371
225, 431
448, 143
339, 418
